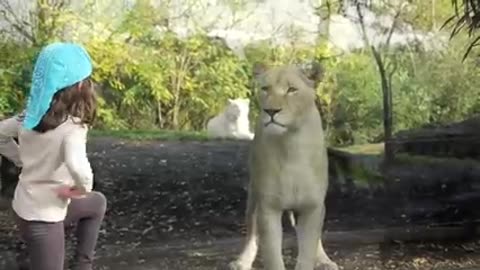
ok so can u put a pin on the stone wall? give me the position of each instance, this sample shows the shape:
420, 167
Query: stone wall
458, 140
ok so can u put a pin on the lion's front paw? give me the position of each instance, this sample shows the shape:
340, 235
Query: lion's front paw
236, 265
326, 266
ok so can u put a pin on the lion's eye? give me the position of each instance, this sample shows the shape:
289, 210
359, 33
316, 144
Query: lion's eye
265, 88
292, 90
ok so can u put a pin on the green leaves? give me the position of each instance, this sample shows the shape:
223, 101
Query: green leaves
148, 77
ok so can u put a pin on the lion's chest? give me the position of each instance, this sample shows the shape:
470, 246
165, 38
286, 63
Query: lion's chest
288, 185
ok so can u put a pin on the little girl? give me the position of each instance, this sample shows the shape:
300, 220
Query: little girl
54, 189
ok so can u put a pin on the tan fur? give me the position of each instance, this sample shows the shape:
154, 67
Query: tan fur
288, 172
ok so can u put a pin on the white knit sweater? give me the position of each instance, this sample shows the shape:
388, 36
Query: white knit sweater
51, 159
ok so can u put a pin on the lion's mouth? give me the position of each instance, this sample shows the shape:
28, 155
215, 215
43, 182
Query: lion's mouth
273, 122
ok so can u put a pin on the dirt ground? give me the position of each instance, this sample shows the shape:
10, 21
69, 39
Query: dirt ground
180, 205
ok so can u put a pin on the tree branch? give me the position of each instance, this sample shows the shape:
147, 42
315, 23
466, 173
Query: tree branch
393, 26
466, 16
16, 22
362, 24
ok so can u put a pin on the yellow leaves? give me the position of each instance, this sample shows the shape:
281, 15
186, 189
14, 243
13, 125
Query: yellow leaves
323, 50
194, 43
189, 84
326, 98
116, 84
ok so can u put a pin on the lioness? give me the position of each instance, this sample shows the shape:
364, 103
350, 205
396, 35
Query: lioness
288, 170
232, 122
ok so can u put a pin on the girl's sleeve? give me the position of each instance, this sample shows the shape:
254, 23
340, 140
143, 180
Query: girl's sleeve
8, 146
75, 151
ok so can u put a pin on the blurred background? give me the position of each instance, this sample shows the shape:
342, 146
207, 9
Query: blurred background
173, 64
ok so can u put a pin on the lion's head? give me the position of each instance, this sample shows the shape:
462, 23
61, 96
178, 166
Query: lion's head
236, 108
286, 95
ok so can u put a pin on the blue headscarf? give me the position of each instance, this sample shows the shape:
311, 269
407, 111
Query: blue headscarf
59, 65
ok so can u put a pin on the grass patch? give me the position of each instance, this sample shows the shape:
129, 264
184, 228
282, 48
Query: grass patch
364, 149
146, 135
406, 158
365, 177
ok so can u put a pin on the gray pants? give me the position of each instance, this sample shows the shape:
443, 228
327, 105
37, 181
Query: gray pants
46, 240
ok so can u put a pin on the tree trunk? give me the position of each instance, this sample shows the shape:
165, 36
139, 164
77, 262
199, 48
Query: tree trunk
387, 106
434, 21
182, 68
324, 14
176, 105
385, 82
158, 115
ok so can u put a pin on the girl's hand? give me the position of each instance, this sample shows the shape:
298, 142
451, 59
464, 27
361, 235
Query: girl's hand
68, 192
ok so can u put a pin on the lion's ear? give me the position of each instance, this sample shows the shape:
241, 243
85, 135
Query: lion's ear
259, 69
314, 72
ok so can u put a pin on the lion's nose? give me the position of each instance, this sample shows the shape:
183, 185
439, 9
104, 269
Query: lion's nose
272, 112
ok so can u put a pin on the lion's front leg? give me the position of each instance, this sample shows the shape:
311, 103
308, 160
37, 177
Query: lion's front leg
270, 237
250, 249
323, 262
308, 233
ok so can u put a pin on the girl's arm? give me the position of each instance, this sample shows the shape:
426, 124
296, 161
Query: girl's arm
75, 151
8, 131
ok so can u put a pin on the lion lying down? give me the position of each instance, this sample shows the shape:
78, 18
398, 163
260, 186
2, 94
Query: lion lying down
288, 171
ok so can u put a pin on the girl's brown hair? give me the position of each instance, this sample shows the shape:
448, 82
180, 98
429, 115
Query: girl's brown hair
78, 100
